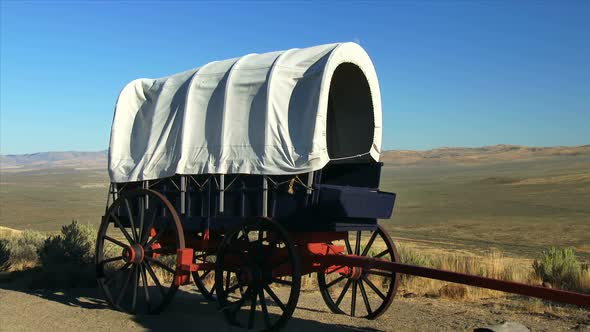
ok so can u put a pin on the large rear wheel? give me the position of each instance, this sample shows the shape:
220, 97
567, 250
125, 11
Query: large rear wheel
136, 252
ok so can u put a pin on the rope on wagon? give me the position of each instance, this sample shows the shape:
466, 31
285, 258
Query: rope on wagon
275, 183
303, 184
350, 157
291, 183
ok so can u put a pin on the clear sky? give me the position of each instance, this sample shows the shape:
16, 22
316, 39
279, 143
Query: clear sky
451, 73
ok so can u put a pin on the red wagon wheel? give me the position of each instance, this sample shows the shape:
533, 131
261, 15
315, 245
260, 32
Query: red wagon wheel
257, 265
376, 288
136, 252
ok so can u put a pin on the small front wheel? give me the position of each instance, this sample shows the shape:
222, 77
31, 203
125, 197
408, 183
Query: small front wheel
376, 288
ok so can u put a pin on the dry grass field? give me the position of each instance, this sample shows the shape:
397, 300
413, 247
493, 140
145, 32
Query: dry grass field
516, 199
490, 211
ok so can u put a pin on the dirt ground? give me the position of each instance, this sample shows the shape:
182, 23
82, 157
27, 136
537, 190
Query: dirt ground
84, 310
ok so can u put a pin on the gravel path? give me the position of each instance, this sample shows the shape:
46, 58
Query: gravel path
83, 310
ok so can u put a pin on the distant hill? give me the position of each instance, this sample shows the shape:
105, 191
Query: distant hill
486, 154
42, 160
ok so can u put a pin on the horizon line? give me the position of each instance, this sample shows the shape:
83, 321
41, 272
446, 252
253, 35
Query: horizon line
384, 150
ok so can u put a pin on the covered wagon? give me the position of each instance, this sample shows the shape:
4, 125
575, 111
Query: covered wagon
244, 174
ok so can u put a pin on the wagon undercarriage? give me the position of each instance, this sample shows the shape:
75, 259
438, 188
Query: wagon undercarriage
252, 265
147, 247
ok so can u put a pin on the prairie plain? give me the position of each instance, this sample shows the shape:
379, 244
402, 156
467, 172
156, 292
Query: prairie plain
488, 211
517, 199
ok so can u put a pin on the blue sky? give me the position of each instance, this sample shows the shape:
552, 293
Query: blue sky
451, 73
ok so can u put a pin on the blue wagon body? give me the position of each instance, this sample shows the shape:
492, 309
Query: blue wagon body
341, 197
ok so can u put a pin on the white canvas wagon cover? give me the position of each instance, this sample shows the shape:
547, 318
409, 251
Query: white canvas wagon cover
277, 113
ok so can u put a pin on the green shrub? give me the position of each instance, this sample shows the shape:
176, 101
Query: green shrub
67, 258
411, 257
22, 249
74, 245
4, 255
559, 267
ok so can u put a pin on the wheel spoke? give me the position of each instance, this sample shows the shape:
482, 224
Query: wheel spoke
154, 278
133, 230
118, 275
343, 292
373, 287
135, 287
124, 288
146, 289
146, 234
335, 281
141, 218
112, 259
365, 298
252, 310
353, 300
275, 297
380, 273
115, 241
357, 245
369, 244
348, 248
381, 254
240, 302
231, 289
264, 308
205, 274
161, 265
120, 226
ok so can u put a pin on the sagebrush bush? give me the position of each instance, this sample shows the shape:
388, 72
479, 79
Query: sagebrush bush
67, 258
4, 255
559, 267
74, 245
22, 249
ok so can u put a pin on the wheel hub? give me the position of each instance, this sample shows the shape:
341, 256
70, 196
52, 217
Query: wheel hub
356, 273
133, 254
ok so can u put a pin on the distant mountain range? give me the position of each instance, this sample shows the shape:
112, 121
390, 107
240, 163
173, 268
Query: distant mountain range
65, 159
486, 154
